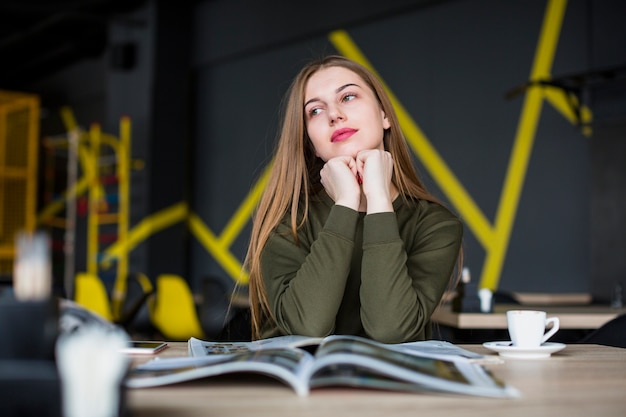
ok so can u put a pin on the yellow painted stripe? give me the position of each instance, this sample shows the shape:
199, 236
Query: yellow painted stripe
221, 254
434, 163
244, 212
522, 148
449, 184
67, 115
145, 228
548, 39
563, 103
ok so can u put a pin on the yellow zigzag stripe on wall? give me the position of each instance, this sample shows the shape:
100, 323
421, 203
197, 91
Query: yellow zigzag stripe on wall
423, 149
245, 210
218, 246
214, 246
144, 229
494, 239
522, 147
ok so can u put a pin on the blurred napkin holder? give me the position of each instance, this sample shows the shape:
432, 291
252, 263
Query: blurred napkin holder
466, 299
29, 380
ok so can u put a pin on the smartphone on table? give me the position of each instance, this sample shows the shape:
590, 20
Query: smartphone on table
140, 347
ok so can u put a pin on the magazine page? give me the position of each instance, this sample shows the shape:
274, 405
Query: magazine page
361, 362
199, 348
285, 364
431, 348
443, 350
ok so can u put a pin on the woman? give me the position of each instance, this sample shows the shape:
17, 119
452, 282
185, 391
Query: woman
346, 239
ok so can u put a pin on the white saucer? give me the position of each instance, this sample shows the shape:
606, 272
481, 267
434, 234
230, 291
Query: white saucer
505, 349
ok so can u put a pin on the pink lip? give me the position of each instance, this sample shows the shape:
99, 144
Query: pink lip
340, 135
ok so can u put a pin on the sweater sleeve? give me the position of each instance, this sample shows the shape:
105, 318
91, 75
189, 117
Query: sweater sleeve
305, 282
404, 277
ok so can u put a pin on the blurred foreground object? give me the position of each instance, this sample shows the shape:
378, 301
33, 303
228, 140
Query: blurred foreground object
32, 277
92, 368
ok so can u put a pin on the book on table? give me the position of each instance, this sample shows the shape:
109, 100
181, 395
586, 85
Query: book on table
306, 363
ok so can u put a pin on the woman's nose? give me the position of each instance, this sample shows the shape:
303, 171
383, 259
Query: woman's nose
335, 115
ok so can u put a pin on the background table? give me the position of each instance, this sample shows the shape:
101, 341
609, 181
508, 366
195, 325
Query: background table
570, 317
581, 380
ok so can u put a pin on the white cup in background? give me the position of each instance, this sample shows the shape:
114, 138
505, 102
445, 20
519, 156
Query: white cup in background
527, 328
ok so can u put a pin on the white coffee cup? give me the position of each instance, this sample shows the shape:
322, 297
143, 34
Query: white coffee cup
527, 328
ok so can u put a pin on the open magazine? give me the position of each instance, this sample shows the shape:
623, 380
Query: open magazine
431, 348
337, 361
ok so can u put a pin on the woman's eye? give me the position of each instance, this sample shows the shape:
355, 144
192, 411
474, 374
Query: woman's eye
315, 111
348, 97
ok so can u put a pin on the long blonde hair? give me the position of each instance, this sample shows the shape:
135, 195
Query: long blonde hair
295, 175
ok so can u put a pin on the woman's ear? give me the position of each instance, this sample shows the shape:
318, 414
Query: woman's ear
386, 124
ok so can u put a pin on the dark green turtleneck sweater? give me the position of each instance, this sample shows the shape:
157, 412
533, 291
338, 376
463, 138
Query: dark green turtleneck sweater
379, 275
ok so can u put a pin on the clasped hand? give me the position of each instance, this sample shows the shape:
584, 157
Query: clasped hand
362, 183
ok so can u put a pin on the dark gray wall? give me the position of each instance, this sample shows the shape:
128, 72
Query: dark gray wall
450, 64
608, 150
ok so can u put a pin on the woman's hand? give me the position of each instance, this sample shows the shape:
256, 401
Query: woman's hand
375, 168
339, 178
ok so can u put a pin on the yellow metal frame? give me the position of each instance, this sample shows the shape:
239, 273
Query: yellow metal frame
90, 145
121, 148
19, 134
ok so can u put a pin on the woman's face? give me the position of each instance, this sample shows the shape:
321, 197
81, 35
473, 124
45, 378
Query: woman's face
342, 114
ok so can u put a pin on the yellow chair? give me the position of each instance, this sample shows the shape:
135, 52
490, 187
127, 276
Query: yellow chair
174, 311
91, 293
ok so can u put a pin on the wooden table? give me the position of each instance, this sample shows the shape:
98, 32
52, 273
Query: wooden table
581, 380
570, 317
